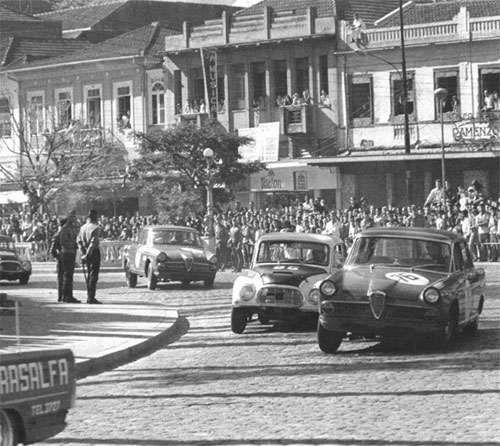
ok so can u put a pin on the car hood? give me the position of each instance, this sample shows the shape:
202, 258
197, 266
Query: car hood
403, 284
181, 252
283, 274
8, 255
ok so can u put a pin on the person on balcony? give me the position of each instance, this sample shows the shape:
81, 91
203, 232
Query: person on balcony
358, 28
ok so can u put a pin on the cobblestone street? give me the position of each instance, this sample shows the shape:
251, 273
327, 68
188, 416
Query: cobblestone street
273, 386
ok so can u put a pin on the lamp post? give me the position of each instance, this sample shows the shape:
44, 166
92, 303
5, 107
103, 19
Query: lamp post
208, 154
440, 94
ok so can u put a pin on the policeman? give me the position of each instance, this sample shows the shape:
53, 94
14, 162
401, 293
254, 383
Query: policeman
67, 241
88, 241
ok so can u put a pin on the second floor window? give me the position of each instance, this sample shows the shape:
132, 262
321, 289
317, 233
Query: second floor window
398, 96
301, 75
36, 112
490, 93
280, 79
238, 89
94, 107
449, 80
124, 103
158, 104
259, 83
63, 105
5, 118
361, 100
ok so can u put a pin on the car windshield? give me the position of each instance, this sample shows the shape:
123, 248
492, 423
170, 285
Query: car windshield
7, 244
293, 252
413, 253
177, 237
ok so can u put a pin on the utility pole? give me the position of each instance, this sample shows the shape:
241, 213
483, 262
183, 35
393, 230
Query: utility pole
405, 80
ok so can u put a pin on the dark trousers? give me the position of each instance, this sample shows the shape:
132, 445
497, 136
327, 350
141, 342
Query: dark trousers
93, 264
60, 275
67, 262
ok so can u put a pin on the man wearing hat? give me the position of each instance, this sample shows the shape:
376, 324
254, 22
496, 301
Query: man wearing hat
88, 240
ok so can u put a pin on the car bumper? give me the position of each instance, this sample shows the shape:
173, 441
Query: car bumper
6, 275
395, 320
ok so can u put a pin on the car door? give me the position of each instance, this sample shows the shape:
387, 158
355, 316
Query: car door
475, 277
464, 287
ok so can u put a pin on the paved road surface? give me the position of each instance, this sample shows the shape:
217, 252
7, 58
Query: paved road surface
272, 386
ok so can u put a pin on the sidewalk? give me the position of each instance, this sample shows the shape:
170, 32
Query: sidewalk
101, 336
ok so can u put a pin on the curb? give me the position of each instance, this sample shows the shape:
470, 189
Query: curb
115, 359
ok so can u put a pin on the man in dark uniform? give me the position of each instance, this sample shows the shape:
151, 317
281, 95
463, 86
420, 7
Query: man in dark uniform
88, 240
55, 251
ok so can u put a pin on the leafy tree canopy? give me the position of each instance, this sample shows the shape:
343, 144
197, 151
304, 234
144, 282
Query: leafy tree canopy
172, 167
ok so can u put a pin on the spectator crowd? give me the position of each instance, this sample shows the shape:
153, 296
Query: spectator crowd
465, 211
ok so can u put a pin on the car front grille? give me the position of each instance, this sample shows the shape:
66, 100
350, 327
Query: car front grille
183, 267
281, 296
390, 311
10, 267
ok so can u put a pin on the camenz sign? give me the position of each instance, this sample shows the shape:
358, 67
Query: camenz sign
474, 131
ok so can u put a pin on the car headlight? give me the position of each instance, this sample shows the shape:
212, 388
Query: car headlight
432, 295
26, 265
213, 260
162, 257
247, 292
314, 296
328, 288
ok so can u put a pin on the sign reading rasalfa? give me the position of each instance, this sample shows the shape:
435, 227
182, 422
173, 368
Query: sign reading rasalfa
265, 143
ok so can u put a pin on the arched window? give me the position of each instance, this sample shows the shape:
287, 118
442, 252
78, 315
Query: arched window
158, 104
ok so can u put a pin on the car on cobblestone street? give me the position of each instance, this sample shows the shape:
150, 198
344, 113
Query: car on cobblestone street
12, 267
283, 279
399, 282
164, 253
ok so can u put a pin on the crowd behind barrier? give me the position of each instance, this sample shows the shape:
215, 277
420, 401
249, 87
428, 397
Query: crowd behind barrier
467, 211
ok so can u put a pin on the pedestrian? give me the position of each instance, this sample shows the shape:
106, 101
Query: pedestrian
88, 240
221, 241
67, 256
55, 251
235, 244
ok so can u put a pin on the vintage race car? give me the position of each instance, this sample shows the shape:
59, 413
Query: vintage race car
169, 253
284, 277
402, 282
11, 266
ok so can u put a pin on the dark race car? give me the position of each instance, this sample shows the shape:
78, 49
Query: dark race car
169, 253
12, 267
402, 282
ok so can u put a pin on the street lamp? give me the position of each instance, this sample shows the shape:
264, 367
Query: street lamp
440, 94
208, 154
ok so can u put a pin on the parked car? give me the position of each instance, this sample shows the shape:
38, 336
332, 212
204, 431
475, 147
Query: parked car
38, 389
169, 253
284, 277
402, 282
12, 267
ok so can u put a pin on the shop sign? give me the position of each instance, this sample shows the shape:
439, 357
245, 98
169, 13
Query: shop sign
300, 178
264, 144
474, 131
270, 182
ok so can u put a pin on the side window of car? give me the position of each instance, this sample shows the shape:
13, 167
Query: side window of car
141, 239
458, 262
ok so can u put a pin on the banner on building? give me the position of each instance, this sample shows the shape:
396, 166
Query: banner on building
264, 146
209, 64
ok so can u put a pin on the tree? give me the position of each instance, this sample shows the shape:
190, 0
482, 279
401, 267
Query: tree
172, 168
53, 163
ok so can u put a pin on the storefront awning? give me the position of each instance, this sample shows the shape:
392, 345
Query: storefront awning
13, 196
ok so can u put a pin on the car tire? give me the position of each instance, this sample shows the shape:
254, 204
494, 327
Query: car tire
238, 320
152, 279
449, 330
131, 277
185, 283
471, 329
23, 280
8, 430
329, 341
209, 283
264, 320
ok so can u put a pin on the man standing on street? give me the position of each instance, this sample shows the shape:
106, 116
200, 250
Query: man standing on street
67, 241
88, 240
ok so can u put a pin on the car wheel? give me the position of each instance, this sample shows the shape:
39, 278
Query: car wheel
209, 283
238, 320
471, 329
264, 320
329, 341
24, 280
152, 279
131, 277
8, 430
185, 283
447, 333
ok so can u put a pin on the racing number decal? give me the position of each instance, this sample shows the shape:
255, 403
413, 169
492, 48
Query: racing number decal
408, 278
